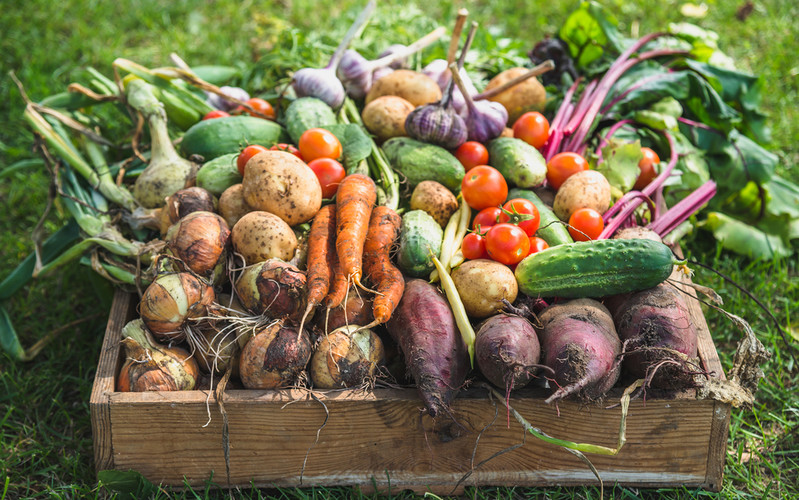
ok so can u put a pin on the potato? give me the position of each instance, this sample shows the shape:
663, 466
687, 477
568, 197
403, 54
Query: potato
414, 87
586, 189
529, 95
232, 206
435, 199
259, 236
482, 284
280, 183
385, 116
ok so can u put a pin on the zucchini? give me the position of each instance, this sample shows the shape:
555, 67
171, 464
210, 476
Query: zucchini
219, 174
551, 229
596, 268
220, 136
306, 113
417, 161
420, 235
521, 164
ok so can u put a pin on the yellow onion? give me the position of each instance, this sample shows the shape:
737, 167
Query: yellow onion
273, 288
274, 357
171, 300
347, 357
216, 346
200, 240
150, 366
182, 203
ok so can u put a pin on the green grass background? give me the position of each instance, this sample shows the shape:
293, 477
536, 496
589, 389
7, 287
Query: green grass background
45, 432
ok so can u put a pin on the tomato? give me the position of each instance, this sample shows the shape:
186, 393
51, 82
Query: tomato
507, 243
486, 218
647, 166
319, 143
217, 113
288, 148
586, 224
484, 187
523, 213
474, 246
561, 166
532, 128
471, 154
246, 154
262, 109
537, 244
330, 174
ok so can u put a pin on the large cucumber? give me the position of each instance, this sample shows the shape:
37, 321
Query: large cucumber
520, 163
306, 113
418, 161
551, 229
221, 136
219, 174
596, 268
420, 235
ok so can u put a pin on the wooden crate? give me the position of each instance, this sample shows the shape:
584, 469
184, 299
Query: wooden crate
379, 440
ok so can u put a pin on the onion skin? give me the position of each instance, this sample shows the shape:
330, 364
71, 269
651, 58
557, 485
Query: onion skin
273, 288
217, 351
170, 300
345, 358
274, 357
200, 240
184, 202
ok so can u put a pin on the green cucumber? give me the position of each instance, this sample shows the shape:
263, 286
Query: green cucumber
551, 229
219, 174
420, 235
306, 113
596, 268
417, 161
216, 75
220, 136
520, 163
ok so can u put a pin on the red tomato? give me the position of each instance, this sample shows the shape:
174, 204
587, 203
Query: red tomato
537, 244
647, 166
523, 213
217, 113
486, 218
246, 154
330, 174
532, 128
561, 166
288, 148
471, 154
319, 143
262, 109
507, 244
484, 187
474, 246
586, 224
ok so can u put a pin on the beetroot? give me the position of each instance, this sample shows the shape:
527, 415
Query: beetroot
507, 351
580, 343
435, 355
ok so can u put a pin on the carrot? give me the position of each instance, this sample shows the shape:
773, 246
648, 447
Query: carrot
321, 248
355, 199
338, 285
384, 227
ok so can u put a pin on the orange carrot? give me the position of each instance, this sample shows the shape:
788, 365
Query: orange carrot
384, 228
321, 252
355, 199
338, 285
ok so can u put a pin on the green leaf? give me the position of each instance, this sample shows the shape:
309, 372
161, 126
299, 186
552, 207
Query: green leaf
9, 340
620, 163
355, 143
662, 115
128, 484
591, 33
741, 238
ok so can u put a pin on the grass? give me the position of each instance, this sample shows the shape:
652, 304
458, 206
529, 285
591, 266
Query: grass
45, 433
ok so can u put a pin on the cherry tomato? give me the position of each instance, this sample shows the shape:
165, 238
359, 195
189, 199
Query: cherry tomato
537, 244
319, 143
217, 113
483, 187
288, 148
586, 224
262, 109
523, 213
330, 174
246, 154
532, 128
647, 166
486, 218
507, 243
474, 246
561, 166
471, 154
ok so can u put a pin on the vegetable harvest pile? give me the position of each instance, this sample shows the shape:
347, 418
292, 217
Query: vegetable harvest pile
433, 214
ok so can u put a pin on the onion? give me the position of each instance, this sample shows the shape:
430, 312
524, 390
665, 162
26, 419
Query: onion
274, 357
217, 348
184, 202
200, 240
171, 300
273, 288
347, 357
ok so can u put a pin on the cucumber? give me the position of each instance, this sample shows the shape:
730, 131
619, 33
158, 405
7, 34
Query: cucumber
520, 163
220, 136
219, 174
216, 75
417, 161
551, 229
305, 113
420, 234
596, 268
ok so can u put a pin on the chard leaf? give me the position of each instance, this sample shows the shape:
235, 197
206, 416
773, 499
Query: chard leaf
741, 238
662, 115
355, 143
620, 163
591, 33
